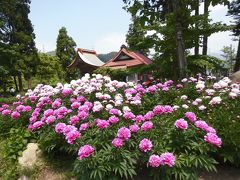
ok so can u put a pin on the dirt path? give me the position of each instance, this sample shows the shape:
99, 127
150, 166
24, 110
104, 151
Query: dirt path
224, 173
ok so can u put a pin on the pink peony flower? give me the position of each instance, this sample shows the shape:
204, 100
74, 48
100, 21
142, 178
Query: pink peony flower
72, 136
27, 109
124, 133
81, 99
50, 119
6, 112
213, 139
139, 118
56, 104
114, 111
75, 105
154, 161
60, 127
83, 115
134, 128
113, 119
181, 124
5, 106
102, 124
167, 159
15, 115
74, 120
146, 126
32, 98
191, 116
168, 109
179, 86
201, 125
20, 108
158, 110
37, 124
149, 115
211, 130
117, 142
69, 128
67, 91
33, 119
84, 127
83, 108
85, 151
48, 112
145, 145
128, 115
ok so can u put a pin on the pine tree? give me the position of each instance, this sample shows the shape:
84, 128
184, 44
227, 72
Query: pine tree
136, 37
17, 46
66, 52
234, 11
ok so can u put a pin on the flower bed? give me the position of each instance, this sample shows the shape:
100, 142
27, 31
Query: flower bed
118, 129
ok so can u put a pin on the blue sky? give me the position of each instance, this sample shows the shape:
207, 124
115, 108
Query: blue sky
98, 24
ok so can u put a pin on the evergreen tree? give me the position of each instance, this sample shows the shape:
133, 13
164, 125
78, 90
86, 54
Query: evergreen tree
208, 27
48, 69
229, 56
177, 29
17, 46
137, 38
66, 52
234, 11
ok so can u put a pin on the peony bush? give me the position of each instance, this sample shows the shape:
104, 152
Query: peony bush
125, 130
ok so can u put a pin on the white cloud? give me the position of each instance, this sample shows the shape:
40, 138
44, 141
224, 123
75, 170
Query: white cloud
218, 40
110, 42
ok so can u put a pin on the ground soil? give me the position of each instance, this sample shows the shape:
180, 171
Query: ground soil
224, 173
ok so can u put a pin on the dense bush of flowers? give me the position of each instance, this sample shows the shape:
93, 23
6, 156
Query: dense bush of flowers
118, 128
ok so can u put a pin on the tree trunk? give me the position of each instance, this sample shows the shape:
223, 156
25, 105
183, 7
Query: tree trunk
20, 83
15, 82
30, 83
180, 46
237, 63
196, 48
205, 36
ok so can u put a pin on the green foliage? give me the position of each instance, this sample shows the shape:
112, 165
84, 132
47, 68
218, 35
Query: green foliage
234, 12
137, 38
18, 53
16, 143
8, 169
117, 74
203, 64
66, 52
49, 69
166, 20
229, 56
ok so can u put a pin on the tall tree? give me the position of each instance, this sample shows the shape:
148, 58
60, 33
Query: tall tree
66, 52
137, 38
206, 17
208, 27
17, 39
157, 15
234, 11
196, 48
48, 69
229, 56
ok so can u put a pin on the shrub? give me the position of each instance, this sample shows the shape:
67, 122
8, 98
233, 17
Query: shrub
122, 130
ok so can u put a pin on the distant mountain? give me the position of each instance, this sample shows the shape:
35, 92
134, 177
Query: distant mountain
106, 57
51, 53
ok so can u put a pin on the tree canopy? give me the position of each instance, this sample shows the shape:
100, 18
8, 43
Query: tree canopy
66, 52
